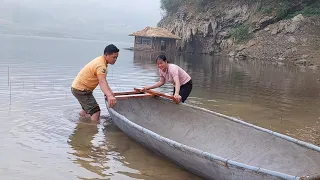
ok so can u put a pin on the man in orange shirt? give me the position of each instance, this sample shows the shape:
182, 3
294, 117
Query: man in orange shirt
89, 77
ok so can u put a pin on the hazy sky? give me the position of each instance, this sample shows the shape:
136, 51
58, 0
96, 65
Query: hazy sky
82, 16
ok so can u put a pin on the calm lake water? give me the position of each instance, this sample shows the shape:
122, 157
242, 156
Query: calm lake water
42, 137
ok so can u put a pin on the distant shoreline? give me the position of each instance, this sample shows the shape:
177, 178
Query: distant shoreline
66, 38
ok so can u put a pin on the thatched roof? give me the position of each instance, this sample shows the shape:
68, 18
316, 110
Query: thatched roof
155, 32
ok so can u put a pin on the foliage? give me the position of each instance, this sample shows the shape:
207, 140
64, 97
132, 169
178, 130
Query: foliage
283, 10
201, 4
266, 10
172, 6
311, 10
241, 34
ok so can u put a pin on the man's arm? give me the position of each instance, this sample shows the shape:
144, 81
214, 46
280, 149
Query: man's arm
106, 90
104, 85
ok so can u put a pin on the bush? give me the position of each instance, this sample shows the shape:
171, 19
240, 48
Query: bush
200, 4
283, 10
170, 5
311, 10
241, 34
266, 10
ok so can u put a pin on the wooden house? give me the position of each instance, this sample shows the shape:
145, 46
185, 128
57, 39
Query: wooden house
155, 39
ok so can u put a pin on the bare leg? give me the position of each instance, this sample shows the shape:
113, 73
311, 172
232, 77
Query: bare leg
96, 116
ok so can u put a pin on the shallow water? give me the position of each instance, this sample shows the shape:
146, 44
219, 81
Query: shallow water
42, 136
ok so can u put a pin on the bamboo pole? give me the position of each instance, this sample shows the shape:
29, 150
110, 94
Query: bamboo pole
8, 75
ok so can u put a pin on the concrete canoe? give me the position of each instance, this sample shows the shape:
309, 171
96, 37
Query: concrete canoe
212, 145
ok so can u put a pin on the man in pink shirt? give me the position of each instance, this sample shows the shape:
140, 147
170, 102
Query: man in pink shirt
174, 74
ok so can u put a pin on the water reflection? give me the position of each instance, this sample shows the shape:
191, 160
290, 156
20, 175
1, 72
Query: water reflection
84, 150
109, 153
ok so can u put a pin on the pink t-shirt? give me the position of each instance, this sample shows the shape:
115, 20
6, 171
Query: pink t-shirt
172, 71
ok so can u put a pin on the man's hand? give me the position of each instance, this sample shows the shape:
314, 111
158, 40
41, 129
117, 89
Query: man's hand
177, 97
111, 100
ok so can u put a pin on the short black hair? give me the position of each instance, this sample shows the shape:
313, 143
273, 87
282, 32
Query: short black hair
110, 49
162, 57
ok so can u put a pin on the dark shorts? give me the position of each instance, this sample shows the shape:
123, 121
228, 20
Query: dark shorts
86, 100
185, 90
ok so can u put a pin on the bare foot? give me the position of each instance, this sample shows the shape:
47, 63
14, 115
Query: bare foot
84, 114
95, 121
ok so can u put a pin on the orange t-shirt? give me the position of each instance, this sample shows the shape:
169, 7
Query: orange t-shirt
87, 78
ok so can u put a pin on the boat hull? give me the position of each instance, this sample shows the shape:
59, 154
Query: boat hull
201, 163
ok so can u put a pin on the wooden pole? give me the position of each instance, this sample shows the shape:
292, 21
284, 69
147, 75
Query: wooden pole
127, 93
129, 96
8, 76
158, 94
10, 90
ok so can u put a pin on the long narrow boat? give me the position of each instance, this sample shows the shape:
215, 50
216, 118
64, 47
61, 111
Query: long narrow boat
212, 145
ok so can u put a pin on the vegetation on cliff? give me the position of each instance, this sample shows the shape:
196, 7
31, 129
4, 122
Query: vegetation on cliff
241, 34
281, 8
310, 10
172, 6
287, 9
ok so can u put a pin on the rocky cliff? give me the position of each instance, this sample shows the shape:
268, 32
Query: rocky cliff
272, 29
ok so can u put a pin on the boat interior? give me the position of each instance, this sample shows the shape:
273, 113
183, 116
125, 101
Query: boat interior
220, 136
